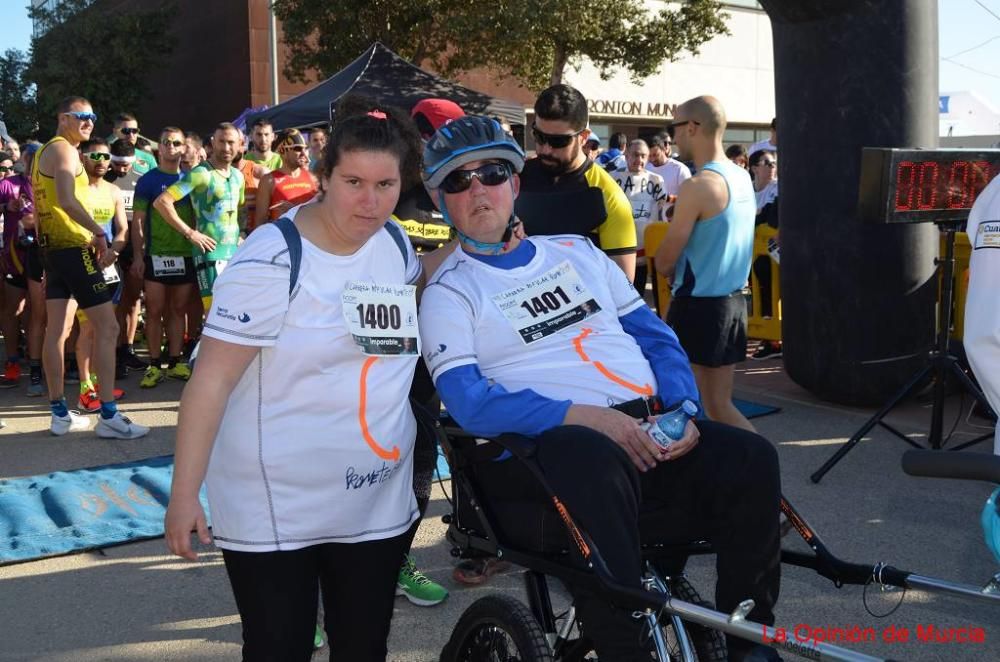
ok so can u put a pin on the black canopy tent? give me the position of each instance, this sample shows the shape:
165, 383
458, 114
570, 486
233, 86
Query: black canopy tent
386, 77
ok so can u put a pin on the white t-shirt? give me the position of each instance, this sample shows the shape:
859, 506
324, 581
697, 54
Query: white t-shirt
298, 460
645, 193
551, 325
982, 305
767, 194
673, 173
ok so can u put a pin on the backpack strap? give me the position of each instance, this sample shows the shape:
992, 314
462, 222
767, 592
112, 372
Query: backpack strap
294, 241
397, 236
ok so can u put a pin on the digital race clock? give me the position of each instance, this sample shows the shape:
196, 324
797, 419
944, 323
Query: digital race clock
923, 185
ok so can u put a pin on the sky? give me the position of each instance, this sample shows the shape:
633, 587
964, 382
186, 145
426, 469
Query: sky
969, 43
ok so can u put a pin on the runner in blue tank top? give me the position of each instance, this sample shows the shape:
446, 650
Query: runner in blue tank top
706, 256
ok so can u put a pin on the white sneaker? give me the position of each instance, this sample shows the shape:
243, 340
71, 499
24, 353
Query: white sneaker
119, 427
71, 422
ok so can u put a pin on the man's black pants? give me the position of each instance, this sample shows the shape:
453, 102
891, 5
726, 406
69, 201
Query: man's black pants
725, 490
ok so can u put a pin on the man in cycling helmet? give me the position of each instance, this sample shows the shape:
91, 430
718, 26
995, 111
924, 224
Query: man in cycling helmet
545, 337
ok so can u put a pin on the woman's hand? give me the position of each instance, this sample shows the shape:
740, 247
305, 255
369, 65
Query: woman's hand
185, 515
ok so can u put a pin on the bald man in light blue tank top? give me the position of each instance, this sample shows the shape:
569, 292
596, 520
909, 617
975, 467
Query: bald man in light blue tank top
706, 256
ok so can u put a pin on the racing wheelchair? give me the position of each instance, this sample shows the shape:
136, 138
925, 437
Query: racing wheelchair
680, 625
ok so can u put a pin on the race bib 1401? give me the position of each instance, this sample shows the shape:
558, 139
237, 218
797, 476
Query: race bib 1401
543, 306
382, 318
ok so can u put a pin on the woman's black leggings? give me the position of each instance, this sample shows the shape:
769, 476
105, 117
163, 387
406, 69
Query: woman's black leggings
277, 596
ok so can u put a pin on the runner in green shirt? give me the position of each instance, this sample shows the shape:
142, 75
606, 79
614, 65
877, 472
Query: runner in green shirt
163, 260
215, 190
263, 137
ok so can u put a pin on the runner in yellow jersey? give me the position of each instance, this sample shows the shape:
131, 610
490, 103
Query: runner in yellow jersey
75, 251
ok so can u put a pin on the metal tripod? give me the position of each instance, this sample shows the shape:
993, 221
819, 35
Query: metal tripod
940, 365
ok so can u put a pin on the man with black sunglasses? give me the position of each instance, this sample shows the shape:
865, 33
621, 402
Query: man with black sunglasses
542, 337
163, 261
75, 248
551, 183
127, 129
706, 256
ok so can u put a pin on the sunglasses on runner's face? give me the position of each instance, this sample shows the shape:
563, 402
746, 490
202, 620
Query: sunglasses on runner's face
82, 116
553, 140
768, 164
491, 174
296, 148
128, 131
98, 156
5, 169
171, 143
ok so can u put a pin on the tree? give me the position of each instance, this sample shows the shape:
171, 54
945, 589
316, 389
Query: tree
530, 40
326, 35
17, 96
105, 56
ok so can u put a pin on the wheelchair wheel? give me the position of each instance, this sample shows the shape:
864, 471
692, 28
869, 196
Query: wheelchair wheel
709, 645
497, 628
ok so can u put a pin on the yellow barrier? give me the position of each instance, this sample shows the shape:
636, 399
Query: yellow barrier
758, 326
654, 234
770, 329
963, 253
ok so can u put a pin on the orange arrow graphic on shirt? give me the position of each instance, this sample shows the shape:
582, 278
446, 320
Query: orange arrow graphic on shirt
578, 344
369, 439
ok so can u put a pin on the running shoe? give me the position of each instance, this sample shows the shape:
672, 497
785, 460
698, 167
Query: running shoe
35, 390
416, 587
71, 422
11, 373
89, 402
131, 361
119, 426
181, 371
472, 572
767, 350
153, 376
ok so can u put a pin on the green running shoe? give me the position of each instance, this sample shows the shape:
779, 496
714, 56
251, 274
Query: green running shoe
318, 638
417, 588
153, 376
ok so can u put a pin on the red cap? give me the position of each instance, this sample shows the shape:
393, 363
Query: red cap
438, 111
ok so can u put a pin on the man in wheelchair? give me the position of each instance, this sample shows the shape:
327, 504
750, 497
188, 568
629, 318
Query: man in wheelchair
545, 337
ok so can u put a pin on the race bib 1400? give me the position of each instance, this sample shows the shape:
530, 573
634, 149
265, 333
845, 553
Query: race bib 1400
382, 318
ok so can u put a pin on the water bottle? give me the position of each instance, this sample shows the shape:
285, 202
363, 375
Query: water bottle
669, 428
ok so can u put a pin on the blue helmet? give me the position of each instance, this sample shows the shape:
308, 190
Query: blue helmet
467, 139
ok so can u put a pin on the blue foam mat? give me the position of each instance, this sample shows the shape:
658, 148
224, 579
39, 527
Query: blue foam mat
747, 408
73, 511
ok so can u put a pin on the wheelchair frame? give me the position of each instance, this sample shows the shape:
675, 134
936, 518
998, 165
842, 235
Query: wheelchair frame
655, 605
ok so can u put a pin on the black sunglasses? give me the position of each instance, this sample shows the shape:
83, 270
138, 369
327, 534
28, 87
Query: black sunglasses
554, 140
491, 174
128, 131
171, 143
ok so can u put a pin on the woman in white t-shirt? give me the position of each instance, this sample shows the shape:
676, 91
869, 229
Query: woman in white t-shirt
297, 417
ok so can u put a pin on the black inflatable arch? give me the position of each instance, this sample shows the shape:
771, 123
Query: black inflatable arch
858, 299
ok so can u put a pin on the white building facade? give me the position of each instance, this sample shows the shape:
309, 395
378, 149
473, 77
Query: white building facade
738, 69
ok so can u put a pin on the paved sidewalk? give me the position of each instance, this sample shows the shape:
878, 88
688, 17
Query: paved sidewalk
134, 602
